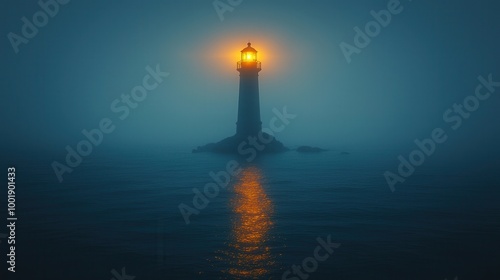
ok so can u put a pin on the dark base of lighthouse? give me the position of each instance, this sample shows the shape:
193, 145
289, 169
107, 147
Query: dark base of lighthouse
238, 144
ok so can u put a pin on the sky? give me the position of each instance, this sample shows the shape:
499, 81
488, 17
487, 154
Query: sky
395, 90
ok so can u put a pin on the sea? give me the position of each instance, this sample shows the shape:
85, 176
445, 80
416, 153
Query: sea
330, 215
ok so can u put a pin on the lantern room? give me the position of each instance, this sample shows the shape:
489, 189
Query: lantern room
249, 58
249, 54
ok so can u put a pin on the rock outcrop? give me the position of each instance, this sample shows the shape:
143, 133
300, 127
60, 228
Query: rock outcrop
237, 144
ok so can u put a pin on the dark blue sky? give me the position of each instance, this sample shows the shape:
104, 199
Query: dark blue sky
394, 91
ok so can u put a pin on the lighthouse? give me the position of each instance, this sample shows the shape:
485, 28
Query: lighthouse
249, 137
249, 122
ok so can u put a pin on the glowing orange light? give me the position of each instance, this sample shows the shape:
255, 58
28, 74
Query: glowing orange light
248, 57
220, 53
249, 54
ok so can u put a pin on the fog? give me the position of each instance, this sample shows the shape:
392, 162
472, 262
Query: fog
394, 91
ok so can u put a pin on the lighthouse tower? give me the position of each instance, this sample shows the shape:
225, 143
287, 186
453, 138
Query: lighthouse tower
249, 122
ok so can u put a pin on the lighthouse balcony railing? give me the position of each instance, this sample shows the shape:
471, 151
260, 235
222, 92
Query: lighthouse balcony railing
249, 64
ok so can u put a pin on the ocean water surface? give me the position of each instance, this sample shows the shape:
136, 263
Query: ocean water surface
118, 214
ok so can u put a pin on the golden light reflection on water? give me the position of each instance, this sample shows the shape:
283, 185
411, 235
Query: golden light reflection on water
250, 255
